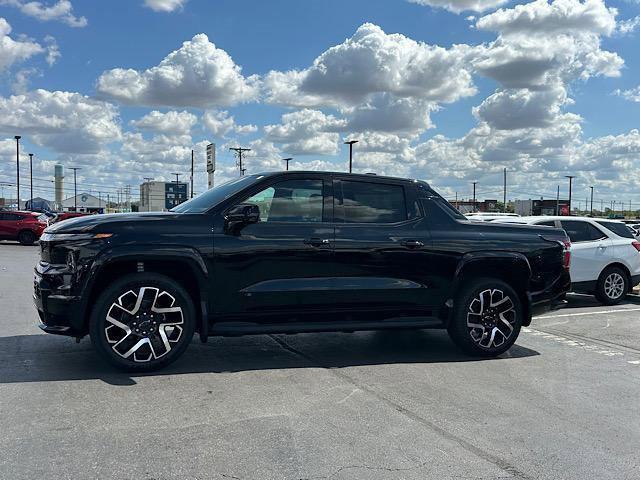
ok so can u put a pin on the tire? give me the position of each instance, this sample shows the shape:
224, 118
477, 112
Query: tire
487, 317
27, 237
612, 286
130, 332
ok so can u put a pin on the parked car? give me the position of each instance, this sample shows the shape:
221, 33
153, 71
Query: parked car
25, 227
605, 255
489, 216
292, 252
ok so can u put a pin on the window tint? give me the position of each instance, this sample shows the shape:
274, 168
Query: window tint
618, 228
11, 217
547, 223
365, 202
581, 231
290, 201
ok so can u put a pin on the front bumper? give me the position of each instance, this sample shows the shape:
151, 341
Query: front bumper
58, 309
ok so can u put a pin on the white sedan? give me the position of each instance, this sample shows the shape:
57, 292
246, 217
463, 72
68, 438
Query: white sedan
605, 256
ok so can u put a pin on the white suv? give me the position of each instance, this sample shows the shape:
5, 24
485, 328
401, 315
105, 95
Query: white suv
605, 256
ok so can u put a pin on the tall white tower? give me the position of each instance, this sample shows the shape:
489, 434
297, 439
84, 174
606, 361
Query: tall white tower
59, 184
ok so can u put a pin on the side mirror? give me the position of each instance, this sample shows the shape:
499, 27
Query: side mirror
239, 216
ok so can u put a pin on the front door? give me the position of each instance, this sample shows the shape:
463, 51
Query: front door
284, 262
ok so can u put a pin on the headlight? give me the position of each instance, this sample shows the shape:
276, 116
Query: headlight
50, 237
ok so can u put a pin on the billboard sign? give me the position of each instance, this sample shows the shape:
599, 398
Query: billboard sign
211, 158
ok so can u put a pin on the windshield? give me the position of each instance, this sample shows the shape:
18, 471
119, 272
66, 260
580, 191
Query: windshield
210, 198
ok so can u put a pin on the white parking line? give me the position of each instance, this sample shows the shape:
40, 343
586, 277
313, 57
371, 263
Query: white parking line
579, 314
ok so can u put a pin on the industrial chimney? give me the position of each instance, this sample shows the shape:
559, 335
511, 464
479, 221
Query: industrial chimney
59, 184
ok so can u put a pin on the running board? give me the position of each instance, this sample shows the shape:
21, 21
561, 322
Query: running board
247, 328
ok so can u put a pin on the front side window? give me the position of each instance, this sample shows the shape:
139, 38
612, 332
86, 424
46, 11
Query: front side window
297, 200
581, 231
368, 202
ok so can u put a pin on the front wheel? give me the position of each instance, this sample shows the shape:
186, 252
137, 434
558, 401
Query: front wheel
612, 286
487, 317
142, 322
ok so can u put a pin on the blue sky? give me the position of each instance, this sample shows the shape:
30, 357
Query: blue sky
579, 117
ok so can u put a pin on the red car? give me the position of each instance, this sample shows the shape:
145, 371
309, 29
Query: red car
26, 227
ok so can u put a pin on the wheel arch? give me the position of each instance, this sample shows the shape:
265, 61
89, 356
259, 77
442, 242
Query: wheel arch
511, 267
185, 266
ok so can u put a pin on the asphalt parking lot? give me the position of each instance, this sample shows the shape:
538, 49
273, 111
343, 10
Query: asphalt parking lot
561, 404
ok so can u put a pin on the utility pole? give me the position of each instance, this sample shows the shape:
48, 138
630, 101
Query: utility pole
474, 196
175, 200
31, 180
558, 201
456, 200
601, 207
570, 177
591, 187
239, 151
350, 143
287, 160
191, 173
18, 137
75, 188
504, 192
108, 202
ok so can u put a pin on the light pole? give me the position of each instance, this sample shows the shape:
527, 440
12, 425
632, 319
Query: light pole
350, 143
474, 196
31, 180
591, 200
287, 160
177, 196
570, 177
18, 137
75, 188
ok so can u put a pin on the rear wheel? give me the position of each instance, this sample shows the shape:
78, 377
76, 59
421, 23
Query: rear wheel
487, 317
27, 237
612, 286
142, 322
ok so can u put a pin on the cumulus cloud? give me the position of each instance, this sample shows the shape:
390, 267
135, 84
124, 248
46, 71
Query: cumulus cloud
457, 6
558, 17
165, 5
62, 121
306, 132
14, 51
370, 62
198, 74
220, 123
632, 94
61, 11
628, 26
169, 123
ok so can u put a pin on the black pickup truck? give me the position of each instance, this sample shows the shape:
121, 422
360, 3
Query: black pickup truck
293, 252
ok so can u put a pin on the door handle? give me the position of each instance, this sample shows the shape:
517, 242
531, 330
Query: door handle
412, 243
316, 242
602, 247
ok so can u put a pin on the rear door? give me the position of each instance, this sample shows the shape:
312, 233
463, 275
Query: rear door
590, 250
381, 245
9, 224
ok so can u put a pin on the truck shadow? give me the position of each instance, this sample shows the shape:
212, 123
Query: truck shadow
45, 358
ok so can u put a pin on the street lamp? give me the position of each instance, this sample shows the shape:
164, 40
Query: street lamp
350, 143
287, 160
18, 137
474, 196
75, 188
591, 200
570, 177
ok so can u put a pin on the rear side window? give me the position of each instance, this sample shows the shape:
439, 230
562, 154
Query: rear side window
619, 229
581, 231
368, 202
10, 217
547, 223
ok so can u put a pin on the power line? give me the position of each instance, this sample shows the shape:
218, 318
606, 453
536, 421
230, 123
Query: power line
239, 151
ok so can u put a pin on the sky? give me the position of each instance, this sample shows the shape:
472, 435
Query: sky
448, 91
